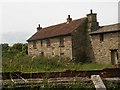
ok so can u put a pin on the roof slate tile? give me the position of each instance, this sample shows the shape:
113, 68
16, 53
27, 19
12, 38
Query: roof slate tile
58, 30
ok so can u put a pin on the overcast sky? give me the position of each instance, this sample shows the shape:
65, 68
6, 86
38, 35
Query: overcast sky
20, 19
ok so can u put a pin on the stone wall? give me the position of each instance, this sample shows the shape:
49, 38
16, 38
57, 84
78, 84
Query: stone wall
79, 43
90, 57
92, 25
54, 49
119, 31
102, 49
119, 47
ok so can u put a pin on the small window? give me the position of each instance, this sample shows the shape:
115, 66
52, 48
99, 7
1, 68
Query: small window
41, 43
61, 41
52, 53
62, 55
34, 44
42, 53
48, 42
101, 37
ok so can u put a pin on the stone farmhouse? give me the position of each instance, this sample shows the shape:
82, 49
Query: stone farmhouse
81, 40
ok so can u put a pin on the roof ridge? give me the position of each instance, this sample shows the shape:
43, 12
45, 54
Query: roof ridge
111, 24
58, 29
63, 23
107, 28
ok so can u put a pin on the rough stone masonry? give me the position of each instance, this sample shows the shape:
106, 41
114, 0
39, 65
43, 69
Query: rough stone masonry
80, 40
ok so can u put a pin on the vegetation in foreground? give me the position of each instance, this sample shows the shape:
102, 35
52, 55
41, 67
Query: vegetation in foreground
15, 59
78, 85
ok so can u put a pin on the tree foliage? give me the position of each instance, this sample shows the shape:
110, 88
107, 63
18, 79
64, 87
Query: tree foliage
18, 48
4, 46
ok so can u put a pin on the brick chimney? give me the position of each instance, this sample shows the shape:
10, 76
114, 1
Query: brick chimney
69, 19
39, 28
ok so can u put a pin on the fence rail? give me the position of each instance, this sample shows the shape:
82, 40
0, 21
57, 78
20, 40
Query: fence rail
105, 73
22, 79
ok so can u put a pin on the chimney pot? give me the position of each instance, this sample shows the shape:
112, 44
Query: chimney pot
39, 28
68, 16
39, 25
91, 11
69, 19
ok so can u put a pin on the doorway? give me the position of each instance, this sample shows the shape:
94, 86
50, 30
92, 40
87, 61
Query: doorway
114, 58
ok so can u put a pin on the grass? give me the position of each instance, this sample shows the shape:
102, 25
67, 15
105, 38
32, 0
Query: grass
78, 85
112, 85
14, 61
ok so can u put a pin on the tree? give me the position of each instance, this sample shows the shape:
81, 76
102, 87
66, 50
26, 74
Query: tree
4, 46
25, 48
17, 47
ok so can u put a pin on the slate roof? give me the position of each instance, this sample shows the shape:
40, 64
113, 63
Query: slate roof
58, 30
107, 29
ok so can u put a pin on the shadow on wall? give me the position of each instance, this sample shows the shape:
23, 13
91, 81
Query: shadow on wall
89, 49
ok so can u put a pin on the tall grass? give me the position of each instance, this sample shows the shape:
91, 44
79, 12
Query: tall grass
20, 62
